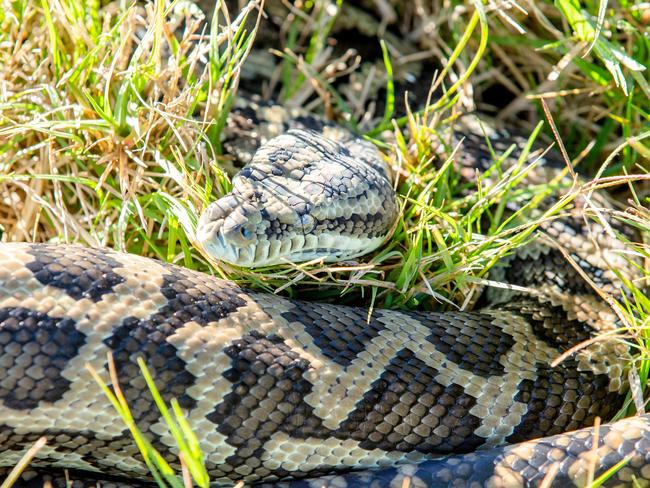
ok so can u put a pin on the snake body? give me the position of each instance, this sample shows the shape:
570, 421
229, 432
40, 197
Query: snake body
310, 394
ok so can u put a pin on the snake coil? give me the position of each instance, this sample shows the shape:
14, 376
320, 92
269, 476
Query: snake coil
286, 392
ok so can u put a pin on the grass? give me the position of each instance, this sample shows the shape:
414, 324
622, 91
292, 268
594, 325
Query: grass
106, 142
191, 457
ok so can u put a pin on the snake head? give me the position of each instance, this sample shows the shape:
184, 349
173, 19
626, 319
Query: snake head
302, 197
250, 228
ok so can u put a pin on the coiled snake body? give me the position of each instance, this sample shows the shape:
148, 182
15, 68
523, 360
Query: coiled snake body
285, 391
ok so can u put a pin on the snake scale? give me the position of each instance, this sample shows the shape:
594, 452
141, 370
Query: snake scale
291, 393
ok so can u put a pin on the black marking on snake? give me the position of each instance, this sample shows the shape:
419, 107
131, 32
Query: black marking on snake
248, 113
252, 173
475, 152
562, 399
85, 444
263, 369
191, 297
308, 122
339, 333
52, 477
528, 272
45, 346
80, 272
276, 229
302, 207
469, 340
578, 225
406, 409
369, 225
551, 324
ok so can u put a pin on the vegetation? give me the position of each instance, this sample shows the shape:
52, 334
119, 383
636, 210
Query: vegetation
111, 117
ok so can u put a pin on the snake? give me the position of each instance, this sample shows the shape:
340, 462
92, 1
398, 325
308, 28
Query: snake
284, 392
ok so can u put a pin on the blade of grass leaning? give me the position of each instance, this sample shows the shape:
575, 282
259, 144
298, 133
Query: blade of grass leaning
597, 482
14, 475
161, 471
194, 464
389, 109
477, 17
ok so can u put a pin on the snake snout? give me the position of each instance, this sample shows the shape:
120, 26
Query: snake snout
228, 231
218, 220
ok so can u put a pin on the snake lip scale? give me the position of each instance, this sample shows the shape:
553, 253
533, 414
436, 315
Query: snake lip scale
290, 393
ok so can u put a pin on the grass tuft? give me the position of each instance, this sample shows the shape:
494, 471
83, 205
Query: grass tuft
98, 134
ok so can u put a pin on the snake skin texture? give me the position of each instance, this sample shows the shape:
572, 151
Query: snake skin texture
564, 460
311, 189
283, 392
279, 388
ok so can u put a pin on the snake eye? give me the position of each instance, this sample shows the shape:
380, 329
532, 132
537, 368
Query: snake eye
246, 233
